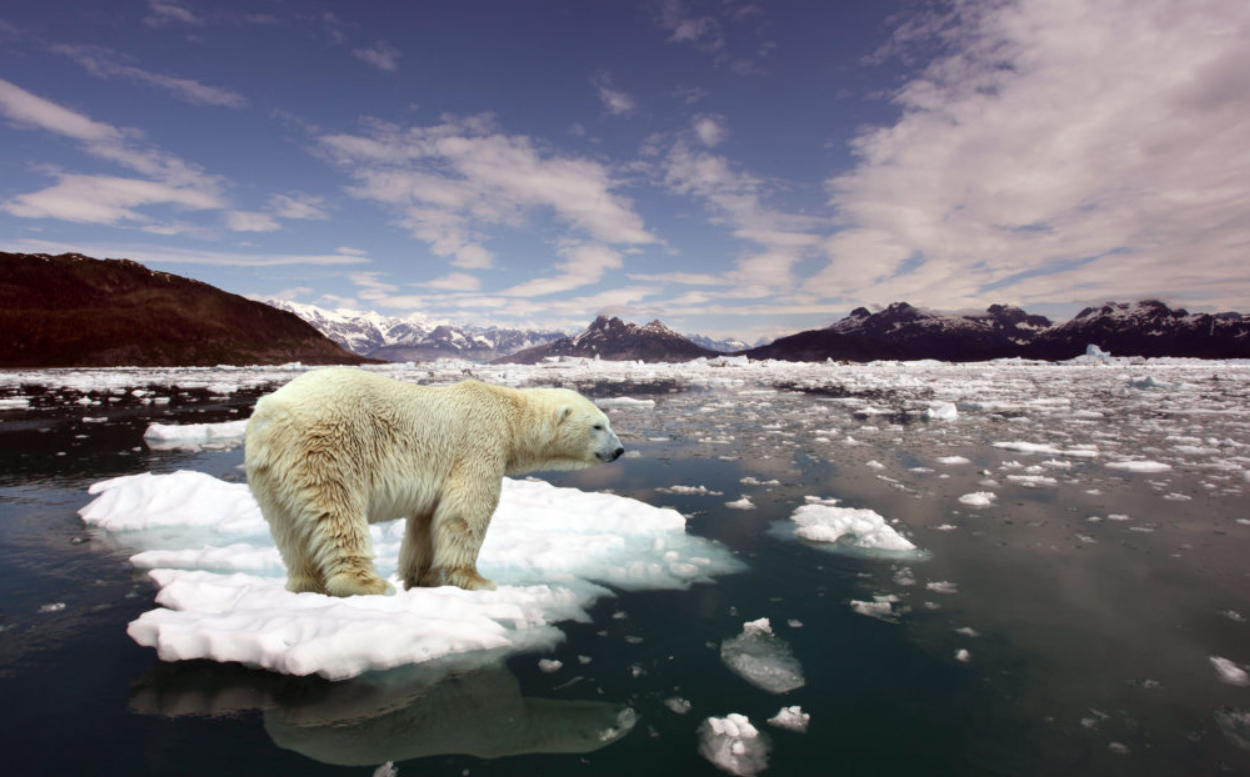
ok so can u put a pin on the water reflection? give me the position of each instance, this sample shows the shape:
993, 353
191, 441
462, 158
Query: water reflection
411, 712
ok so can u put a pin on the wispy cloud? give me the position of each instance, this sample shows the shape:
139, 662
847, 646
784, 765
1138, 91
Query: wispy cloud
105, 63
165, 12
250, 221
102, 199
306, 207
707, 24
615, 101
163, 255
451, 183
381, 55
1055, 152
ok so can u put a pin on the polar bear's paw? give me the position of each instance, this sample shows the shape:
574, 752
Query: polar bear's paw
358, 584
461, 577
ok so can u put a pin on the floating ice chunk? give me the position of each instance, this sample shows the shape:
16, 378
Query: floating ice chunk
195, 436
1229, 672
963, 656
1235, 724
1140, 465
1096, 352
856, 527
549, 665
547, 549
743, 503
791, 718
617, 402
1078, 451
881, 607
688, 490
941, 411
942, 587
762, 658
1150, 382
14, 403
951, 460
1033, 481
386, 770
734, 745
678, 705
978, 499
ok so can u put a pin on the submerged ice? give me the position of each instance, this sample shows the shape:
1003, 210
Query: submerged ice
222, 594
763, 659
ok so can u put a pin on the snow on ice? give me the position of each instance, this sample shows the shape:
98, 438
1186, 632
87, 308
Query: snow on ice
821, 520
222, 594
733, 744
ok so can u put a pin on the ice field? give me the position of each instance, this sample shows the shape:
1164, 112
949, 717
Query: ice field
1007, 567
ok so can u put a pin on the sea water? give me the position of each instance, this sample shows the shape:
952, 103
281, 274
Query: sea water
1075, 597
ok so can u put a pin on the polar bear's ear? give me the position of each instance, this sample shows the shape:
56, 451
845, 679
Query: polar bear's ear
563, 412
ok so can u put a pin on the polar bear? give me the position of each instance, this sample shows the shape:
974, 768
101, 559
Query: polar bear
339, 448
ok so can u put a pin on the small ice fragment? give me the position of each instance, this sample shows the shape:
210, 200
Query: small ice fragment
952, 460
942, 587
734, 745
794, 623
860, 528
968, 631
386, 770
1235, 723
549, 665
1139, 465
1229, 672
762, 658
963, 656
678, 704
978, 498
941, 411
53, 607
1118, 747
744, 503
792, 718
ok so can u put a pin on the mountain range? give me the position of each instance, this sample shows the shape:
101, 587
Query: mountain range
419, 338
74, 311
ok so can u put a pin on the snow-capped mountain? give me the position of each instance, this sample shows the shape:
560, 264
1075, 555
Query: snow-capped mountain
730, 345
614, 339
1146, 328
901, 331
414, 337
919, 333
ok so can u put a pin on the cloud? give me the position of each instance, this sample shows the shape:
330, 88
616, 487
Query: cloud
246, 221
709, 30
381, 55
615, 101
169, 12
584, 265
29, 110
163, 255
1055, 152
451, 183
105, 63
738, 200
457, 281
710, 130
305, 207
101, 199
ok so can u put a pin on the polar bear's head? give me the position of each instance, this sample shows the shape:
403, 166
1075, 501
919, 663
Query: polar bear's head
581, 434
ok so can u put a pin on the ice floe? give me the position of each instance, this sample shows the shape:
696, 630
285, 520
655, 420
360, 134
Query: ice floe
791, 718
195, 436
222, 594
823, 521
763, 659
733, 744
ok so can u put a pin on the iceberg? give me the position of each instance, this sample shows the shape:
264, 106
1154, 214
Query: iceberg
762, 658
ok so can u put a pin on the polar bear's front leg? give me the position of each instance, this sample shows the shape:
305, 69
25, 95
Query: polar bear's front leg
456, 534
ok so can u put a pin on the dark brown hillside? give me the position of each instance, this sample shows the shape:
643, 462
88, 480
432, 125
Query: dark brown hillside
75, 311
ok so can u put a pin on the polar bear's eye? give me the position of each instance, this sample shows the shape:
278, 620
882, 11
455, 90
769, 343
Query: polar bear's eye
598, 427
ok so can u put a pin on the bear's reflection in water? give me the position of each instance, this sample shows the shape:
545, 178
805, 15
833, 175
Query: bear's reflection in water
395, 716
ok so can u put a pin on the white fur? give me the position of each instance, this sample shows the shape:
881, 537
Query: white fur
338, 448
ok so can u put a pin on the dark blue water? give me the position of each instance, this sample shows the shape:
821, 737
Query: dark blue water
1084, 660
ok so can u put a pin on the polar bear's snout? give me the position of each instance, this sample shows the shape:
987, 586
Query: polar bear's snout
611, 449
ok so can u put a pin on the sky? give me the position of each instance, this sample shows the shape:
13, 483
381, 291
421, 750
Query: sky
732, 168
